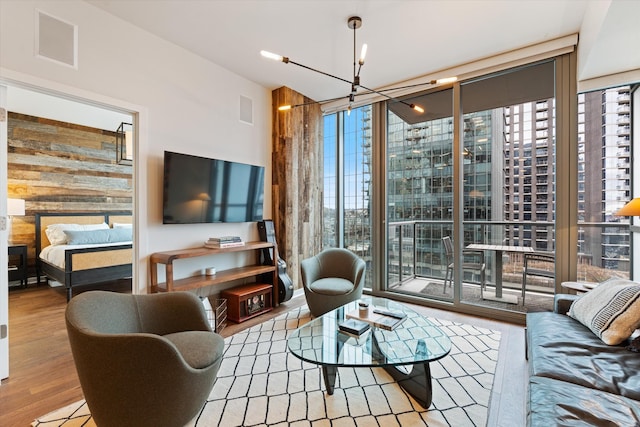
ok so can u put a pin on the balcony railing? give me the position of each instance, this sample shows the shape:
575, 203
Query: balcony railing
416, 251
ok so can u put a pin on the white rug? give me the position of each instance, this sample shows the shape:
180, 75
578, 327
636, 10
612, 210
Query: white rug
261, 384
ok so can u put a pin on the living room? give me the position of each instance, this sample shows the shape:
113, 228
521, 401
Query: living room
179, 101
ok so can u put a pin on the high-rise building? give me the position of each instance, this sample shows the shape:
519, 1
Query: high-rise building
509, 170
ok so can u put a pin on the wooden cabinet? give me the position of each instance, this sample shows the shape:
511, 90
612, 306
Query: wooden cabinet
194, 282
245, 302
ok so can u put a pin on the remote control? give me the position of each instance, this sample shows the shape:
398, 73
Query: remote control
390, 313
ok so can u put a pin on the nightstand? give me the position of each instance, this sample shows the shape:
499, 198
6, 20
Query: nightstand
18, 264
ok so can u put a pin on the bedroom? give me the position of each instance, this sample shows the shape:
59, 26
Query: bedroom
61, 159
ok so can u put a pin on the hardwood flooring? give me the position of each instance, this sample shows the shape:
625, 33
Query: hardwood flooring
43, 377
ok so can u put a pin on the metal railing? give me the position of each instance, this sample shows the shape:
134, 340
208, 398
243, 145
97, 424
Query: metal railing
415, 248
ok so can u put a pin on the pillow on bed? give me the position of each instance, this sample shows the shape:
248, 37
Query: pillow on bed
122, 225
55, 232
87, 237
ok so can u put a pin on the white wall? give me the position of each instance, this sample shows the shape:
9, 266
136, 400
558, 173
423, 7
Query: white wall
184, 104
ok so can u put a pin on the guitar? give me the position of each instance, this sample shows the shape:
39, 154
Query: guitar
285, 284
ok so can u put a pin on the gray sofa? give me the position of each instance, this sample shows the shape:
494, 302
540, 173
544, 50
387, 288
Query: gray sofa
574, 377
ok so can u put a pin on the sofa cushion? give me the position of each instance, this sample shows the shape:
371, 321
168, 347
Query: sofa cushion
560, 347
611, 310
557, 403
200, 349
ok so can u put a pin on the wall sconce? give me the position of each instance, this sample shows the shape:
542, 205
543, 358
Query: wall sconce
124, 144
15, 207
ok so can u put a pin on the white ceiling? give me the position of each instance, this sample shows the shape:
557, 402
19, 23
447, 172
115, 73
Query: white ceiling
406, 38
25, 101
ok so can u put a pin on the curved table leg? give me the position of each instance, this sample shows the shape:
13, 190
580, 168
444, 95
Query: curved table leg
417, 382
415, 378
329, 373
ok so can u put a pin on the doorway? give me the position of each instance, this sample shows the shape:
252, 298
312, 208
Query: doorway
79, 112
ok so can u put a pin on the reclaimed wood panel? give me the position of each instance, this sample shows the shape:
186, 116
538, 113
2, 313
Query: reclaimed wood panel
297, 179
62, 167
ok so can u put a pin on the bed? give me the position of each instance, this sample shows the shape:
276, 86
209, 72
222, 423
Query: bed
77, 249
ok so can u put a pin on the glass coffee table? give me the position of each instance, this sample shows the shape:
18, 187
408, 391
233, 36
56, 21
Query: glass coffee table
404, 352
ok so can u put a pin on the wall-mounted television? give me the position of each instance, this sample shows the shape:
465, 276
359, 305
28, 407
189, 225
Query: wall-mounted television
203, 190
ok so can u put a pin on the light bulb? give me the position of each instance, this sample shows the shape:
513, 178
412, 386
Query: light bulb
270, 55
363, 53
284, 108
446, 80
418, 108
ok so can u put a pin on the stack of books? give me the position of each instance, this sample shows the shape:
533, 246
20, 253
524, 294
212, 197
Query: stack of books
223, 242
353, 327
379, 317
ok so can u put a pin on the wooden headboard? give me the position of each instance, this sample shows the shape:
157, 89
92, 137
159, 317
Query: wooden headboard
44, 219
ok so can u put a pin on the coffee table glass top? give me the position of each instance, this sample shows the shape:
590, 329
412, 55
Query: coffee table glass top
416, 340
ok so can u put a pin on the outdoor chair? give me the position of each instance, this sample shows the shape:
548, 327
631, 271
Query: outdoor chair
540, 264
472, 260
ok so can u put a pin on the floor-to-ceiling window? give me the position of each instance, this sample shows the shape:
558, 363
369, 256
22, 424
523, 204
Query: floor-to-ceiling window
486, 174
605, 151
347, 183
330, 199
505, 159
419, 199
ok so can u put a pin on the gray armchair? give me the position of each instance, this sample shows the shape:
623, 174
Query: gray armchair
332, 279
143, 360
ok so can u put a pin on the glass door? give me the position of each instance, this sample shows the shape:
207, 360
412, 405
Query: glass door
419, 199
500, 202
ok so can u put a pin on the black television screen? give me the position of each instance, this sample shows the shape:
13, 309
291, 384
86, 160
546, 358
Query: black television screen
203, 190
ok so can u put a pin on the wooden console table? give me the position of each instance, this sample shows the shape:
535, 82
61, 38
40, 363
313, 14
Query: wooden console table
224, 276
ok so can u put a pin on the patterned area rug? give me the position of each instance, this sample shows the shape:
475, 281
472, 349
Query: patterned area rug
261, 384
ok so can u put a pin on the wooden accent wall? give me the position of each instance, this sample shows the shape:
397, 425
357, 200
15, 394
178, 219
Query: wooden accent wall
62, 167
297, 179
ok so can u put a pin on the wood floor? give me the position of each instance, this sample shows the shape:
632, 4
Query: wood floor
43, 377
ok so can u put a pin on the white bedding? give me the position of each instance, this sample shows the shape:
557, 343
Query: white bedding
54, 254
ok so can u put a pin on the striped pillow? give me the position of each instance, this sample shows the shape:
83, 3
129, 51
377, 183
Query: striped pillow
611, 310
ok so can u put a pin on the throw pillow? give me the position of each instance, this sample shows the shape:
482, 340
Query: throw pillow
611, 310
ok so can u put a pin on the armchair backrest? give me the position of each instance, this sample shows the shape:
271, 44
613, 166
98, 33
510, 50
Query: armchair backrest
102, 312
339, 262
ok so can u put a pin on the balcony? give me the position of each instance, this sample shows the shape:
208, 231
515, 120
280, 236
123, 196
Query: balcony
417, 262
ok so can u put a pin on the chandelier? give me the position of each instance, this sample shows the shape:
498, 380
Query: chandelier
354, 22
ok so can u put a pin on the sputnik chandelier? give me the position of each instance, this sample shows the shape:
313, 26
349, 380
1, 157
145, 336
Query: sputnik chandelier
354, 22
